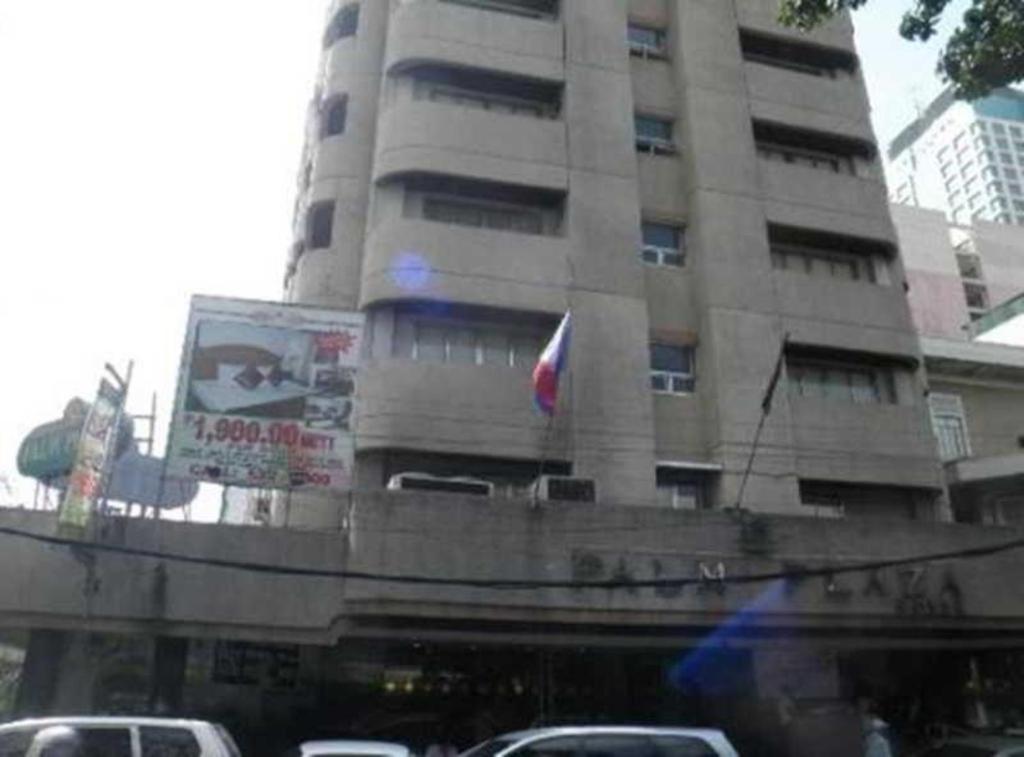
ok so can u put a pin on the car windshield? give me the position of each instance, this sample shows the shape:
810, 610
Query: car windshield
399, 376
489, 748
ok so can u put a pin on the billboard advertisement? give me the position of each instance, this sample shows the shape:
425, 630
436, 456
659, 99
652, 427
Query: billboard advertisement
94, 453
266, 395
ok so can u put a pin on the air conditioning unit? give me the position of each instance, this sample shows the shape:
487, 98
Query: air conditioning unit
424, 482
565, 489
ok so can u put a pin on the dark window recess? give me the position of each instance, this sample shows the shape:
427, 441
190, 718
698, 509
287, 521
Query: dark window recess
827, 242
333, 116
682, 489
484, 204
502, 472
168, 742
320, 225
526, 8
861, 500
487, 90
804, 57
819, 149
344, 24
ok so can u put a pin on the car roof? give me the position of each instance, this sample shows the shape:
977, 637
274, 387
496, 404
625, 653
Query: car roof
584, 730
18, 725
348, 746
989, 741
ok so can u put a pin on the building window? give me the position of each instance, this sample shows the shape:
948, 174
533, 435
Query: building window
344, 24
1016, 132
646, 41
998, 128
976, 296
1014, 189
542, 9
468, 339
813, 149
1018, 205
793, 55
982, 142
864, 385
672, 368
844, 500
682, 489
654, 134
484, 205
946, 169
482, 214
319, 225
969, 265
333, 115
662, 244
950, 425
485, 90
1002, 143
822, 263
1010, 173
1006, 158
989, 172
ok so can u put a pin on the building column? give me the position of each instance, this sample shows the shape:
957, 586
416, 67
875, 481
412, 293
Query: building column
167, 675
39, 672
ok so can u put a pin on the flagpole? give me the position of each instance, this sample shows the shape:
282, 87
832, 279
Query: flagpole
766, 408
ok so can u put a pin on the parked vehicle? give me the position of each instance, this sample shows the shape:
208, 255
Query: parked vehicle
978, 746
347, 748
607, 741
115, 737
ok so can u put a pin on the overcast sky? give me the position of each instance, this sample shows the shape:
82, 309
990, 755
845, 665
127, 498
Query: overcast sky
149, 150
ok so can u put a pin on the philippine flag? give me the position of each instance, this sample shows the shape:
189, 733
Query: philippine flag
549, 367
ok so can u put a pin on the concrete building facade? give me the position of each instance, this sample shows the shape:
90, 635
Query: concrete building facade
965, 159
657, 168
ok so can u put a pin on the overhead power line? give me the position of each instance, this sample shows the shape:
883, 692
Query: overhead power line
505, 584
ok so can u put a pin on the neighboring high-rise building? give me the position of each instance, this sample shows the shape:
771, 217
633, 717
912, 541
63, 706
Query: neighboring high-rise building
965, 159
690, 179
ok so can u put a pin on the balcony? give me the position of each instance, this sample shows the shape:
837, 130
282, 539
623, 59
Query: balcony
763, 15
430, 31
413, 258
866, 443
826, 104
424, 136
819, 198
454, 408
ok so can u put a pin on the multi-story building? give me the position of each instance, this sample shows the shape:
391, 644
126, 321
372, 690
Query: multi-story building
965, 159
692, 183
700, 187
964, 280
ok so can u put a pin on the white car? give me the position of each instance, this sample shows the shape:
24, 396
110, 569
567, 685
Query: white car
607, 741
115, 737
345, 748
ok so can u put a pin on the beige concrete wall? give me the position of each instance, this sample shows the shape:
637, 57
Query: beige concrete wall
994, 411
413, 534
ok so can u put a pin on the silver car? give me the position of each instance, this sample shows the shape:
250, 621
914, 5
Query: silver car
607, 741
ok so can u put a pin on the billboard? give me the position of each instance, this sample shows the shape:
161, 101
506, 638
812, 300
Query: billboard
92, 458
266, 395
